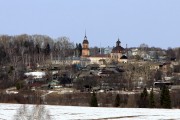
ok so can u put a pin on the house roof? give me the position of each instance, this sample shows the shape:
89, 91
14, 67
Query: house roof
124, 57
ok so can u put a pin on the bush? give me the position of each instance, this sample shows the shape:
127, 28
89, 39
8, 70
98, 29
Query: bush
19, 85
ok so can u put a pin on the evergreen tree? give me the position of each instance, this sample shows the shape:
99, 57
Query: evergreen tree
93, 102
37, 49
165, 98
151, 99
80, 49
158, 75
143, 102
76, 51
117, 101
47, 49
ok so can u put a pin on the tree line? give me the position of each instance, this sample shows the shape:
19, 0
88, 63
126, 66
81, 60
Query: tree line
145, 100
33, 48
22, 51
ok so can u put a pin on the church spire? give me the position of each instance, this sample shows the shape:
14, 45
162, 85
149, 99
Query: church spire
118, 42
85, 37
85, 41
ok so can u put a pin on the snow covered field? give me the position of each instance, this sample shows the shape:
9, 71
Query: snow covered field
8, 111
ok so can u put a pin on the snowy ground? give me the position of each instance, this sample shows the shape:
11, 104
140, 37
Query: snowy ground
8, 111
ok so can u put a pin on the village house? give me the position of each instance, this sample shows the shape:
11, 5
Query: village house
108, 50
134, 51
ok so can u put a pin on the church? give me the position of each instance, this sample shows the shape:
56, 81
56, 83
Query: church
83, 56
117, 54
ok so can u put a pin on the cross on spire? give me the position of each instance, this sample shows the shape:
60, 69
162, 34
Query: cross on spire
118, 42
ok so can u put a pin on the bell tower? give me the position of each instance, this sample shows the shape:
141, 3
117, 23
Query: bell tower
85, 48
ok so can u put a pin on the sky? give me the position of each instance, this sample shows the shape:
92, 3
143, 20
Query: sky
153, 22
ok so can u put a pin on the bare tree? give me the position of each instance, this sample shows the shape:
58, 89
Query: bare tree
36, 112
65, 47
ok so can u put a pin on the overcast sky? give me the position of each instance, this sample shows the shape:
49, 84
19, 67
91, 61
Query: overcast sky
153, 22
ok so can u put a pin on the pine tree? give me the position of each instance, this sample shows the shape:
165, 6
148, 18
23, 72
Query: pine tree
37, 49
47, 49
93, 102
165, 98
76, 54
151, 99
80, 49
117, 101
143, 102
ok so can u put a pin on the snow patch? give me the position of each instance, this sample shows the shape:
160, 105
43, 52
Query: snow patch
81, 113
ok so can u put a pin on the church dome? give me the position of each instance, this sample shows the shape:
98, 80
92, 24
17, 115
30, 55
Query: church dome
118, 48
85, 41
